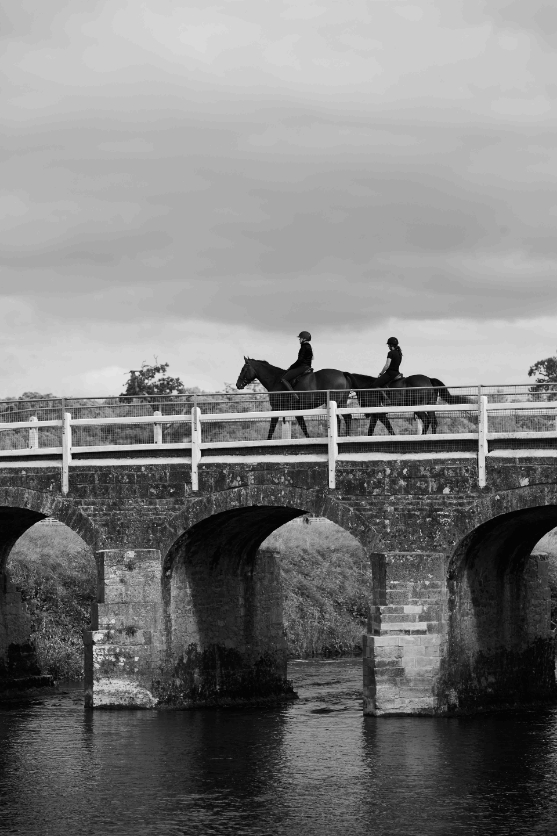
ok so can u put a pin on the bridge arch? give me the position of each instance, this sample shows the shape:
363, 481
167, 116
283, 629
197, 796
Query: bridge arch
511, 500
222, 604
315, 501
20, 508
500, 648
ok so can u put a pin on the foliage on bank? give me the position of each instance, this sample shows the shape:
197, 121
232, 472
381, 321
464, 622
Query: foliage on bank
55, 573
327, 586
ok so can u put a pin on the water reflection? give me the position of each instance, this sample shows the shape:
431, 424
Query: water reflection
316, 767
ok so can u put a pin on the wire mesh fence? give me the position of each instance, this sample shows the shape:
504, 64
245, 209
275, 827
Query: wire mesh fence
159, 432
370, 431
266, 427
535, 392
31, 411
524, 420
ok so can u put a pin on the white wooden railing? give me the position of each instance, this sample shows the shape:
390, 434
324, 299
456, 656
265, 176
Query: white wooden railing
68, 454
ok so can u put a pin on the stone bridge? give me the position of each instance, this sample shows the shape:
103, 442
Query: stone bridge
188, 613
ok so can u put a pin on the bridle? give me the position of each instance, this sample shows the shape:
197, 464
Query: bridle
242, 379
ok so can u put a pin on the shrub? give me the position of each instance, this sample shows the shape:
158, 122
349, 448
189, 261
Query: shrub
55, 573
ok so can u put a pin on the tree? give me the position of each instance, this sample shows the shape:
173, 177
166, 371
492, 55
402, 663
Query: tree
152, 380
544, 371
152, 385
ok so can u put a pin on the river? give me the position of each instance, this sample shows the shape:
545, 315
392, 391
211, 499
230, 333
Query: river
316, 766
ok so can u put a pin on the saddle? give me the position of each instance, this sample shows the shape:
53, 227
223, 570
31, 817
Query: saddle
396, 379
307, 371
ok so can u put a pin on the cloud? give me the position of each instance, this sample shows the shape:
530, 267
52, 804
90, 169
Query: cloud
536, 16
86, 249
248, 164
255, 215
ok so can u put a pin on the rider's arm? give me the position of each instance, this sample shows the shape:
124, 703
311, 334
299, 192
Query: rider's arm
385, 367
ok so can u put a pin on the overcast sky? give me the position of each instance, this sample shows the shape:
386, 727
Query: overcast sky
197, 181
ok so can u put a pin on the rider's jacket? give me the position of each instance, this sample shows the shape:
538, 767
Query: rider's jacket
395, 356
305, 355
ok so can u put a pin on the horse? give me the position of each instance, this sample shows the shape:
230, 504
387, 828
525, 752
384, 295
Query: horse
415, 390
308, 387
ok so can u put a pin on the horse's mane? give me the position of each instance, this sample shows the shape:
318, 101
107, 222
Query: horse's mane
275, 369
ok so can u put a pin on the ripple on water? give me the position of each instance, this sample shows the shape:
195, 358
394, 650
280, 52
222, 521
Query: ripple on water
312, 767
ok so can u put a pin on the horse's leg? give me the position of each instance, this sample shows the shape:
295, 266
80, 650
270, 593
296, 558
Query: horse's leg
434, 423
373, 418
425, 419
384, 418
301, 421
348, 424
272, 427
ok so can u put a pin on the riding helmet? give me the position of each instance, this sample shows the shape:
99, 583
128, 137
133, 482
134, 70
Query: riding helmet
392, 341
305, 335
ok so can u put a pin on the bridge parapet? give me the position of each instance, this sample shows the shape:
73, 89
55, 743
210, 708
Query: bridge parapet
479, 423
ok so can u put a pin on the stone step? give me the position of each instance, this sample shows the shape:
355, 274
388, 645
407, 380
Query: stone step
404, 627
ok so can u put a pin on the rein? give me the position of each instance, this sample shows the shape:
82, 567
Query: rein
243, 380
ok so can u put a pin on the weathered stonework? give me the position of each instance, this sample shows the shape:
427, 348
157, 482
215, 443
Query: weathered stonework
188, 613
124, 650
406, 637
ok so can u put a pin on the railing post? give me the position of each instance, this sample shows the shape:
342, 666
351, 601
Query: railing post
33, 434
66, 451
332, 439
482, 439
157, 428
195, 446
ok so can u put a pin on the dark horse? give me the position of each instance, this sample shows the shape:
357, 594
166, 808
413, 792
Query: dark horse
417, 390
309, 386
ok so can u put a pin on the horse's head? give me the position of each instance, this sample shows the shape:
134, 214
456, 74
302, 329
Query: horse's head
247, 375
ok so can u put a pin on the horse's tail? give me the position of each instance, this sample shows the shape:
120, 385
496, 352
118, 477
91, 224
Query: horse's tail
443, 393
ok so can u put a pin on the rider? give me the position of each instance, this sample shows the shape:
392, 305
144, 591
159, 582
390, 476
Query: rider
391, 368
302, 364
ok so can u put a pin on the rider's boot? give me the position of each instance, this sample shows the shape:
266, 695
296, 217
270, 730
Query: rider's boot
288, 386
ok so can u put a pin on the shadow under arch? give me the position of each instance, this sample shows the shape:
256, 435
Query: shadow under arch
222, 605
500, 650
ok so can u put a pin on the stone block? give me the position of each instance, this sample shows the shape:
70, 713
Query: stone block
415, 650
426, 662
388, 652
396, 618
384, 641
122, 692
410, 627
126, 615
